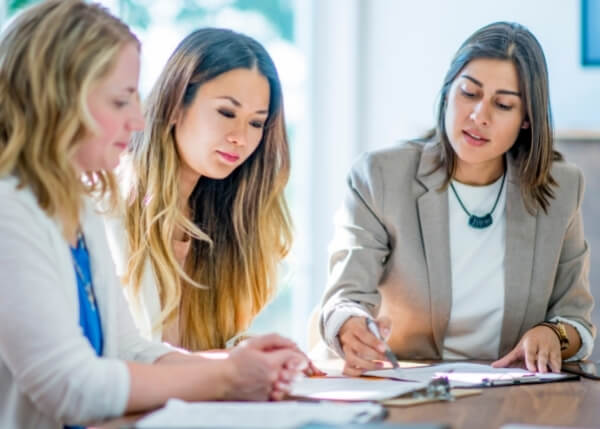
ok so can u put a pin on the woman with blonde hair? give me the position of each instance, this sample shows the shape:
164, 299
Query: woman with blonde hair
467, 244
206, 220
69, 350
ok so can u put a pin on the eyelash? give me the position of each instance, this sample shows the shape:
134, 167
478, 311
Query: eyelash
230, 115
500, 105
119, 104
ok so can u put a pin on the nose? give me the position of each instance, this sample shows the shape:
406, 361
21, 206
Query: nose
237, 135
480, 114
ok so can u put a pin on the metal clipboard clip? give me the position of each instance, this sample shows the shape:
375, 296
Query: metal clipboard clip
438, 389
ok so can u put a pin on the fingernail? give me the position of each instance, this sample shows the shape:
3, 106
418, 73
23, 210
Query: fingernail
385, 332
381, 348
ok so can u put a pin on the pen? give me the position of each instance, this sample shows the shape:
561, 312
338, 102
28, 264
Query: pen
372, 326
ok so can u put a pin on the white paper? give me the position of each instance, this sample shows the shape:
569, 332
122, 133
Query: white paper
266, 415
352, 388
464, 374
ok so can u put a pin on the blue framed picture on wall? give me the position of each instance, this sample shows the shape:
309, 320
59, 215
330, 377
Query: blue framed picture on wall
590, 32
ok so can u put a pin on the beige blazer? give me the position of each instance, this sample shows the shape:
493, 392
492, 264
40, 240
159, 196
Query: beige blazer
391, 254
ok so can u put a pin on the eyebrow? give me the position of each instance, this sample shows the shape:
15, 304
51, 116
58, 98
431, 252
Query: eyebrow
500, 91
238, 104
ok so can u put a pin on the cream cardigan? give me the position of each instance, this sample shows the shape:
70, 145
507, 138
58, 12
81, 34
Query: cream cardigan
49, 374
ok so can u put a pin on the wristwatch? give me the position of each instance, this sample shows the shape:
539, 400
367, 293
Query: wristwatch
560, 331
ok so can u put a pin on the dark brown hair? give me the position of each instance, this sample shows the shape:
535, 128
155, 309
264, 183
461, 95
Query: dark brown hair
533, 150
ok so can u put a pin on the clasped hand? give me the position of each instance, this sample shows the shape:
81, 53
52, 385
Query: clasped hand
264, 368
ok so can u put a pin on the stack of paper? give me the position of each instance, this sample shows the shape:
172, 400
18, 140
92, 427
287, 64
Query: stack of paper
469, 375
352, 388
265, 415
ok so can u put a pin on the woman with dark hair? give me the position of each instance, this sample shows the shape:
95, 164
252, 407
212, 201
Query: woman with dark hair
467, 244
206, 220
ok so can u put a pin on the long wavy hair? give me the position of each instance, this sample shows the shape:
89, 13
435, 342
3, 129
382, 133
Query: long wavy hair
533, 150
51, 55
240, 226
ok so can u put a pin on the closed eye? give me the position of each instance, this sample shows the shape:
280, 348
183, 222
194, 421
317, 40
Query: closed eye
504, 106
226, 113
257, 124
119, 103
467, 94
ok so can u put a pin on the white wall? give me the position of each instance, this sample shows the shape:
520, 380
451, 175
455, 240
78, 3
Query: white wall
410, 45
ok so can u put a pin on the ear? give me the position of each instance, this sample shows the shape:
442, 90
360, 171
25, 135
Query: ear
176, 117
525, 124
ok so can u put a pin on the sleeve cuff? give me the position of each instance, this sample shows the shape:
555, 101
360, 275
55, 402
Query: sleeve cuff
587, 342
335, 322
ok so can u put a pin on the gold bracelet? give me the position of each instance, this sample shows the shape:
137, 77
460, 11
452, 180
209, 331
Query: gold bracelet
560, 331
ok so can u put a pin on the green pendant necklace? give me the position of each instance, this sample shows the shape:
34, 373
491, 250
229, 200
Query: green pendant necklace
479, 222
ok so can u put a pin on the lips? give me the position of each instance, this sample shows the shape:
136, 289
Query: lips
474, 138
228, 156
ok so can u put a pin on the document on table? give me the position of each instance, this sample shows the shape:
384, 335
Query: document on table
352, 388
471, 375
264, 415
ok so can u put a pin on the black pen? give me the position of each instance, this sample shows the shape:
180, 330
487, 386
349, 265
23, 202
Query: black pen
372, 326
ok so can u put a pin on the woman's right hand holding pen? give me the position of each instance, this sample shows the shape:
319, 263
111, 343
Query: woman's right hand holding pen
363, 351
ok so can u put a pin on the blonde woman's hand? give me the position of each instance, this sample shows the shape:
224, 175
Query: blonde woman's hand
538, 349
362, 350
264, 367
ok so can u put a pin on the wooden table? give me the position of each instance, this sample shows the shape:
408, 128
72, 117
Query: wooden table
569, 403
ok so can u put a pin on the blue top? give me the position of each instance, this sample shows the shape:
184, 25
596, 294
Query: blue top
89, 316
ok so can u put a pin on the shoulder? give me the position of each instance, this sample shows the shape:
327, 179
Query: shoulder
400, 161
19, 201
404, 153
568, 193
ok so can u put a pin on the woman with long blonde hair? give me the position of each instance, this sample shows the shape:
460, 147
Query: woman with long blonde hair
69, 349
206, 220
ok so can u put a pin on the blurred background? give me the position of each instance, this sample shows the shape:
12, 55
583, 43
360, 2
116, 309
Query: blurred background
362, 74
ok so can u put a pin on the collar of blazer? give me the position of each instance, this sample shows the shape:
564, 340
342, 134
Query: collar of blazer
519, 251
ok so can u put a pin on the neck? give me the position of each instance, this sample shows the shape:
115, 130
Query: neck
187, 183
479, 174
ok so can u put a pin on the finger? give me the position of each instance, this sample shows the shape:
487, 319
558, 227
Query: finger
555, 361
277, 395
366, 352
366, 337
509, 358
313, 370
282, 386
353, 359
530, 357
542, 361
287, 375
385, 326
286, 358
351, 371
269, 342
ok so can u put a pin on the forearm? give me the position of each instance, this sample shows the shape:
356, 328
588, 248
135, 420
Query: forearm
176, 375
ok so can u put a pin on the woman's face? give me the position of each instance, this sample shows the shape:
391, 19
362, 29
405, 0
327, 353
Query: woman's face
224, 123
484, 113
114, 105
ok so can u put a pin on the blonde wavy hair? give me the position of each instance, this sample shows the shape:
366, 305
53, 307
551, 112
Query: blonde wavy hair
240, 226
50, 56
